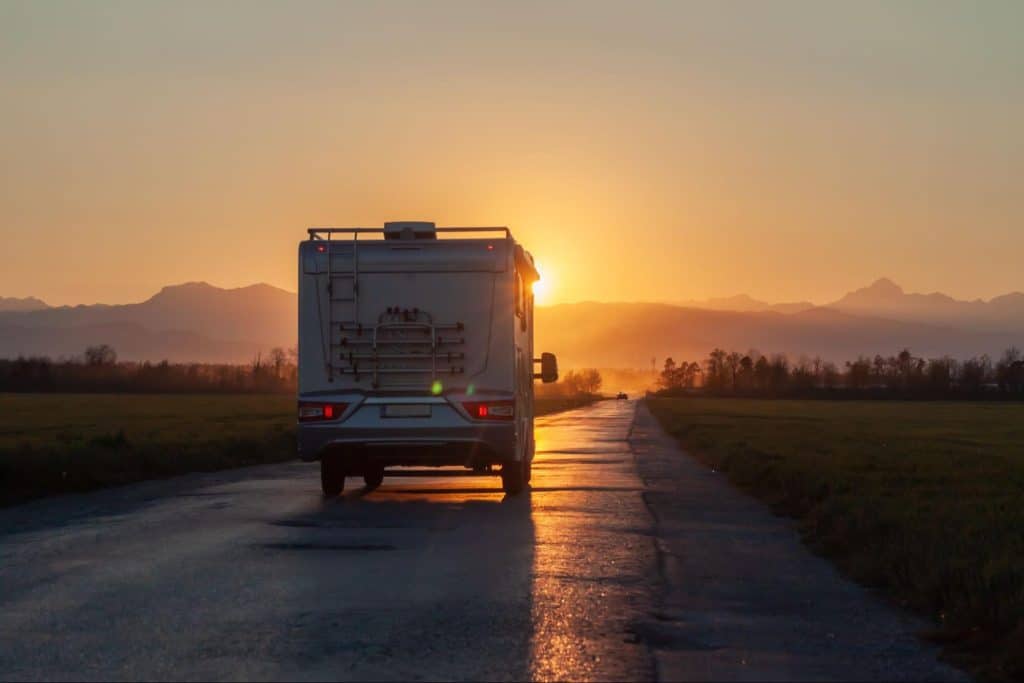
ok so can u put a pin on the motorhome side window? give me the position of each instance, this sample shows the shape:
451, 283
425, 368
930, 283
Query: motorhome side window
520, 307
528, 315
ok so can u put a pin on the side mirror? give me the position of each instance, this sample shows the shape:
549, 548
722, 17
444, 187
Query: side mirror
548, 368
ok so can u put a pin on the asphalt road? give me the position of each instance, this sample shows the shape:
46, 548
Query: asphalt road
626, 561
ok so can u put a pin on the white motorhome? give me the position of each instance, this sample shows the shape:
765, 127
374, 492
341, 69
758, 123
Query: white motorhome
416, 349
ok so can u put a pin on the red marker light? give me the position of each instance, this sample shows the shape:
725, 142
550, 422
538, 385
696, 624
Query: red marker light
314, 411
490, 247
490, 410
321, 248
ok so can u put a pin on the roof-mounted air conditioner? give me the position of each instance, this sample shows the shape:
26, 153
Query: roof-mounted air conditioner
410, 230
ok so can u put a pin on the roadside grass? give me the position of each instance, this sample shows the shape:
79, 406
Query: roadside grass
922, 500
546, 405
65, 443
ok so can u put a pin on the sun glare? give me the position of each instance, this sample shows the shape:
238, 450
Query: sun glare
540, 287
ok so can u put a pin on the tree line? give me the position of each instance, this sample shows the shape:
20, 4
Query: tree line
99, 371
902, 375
586, 381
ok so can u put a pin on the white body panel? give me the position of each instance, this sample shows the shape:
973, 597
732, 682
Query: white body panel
434, 278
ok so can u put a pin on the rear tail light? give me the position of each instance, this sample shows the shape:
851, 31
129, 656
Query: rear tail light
317, 412
490, 410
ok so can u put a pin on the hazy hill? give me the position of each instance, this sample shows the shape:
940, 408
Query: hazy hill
193, 321
884, 298
630, 334
29, 303
747, 304
131, 340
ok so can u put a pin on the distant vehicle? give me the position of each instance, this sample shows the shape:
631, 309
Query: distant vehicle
622, 396
416, 351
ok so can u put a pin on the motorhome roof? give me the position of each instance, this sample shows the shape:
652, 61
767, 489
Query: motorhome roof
399, 229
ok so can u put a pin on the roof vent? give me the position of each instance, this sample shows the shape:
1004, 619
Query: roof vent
410, 230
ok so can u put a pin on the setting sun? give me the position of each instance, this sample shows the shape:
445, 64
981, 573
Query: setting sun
542, 287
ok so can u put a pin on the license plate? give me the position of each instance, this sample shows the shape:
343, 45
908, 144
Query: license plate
406, 410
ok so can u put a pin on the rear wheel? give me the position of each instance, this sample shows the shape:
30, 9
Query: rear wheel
373, 478
513, 477
332, 476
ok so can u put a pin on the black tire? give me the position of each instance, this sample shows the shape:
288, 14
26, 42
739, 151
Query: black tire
513, 477
373, 478
332, 477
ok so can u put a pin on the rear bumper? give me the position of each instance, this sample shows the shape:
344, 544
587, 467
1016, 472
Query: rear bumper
445, 438
431, 446
427, 446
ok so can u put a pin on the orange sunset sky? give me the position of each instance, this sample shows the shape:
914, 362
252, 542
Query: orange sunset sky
642, 151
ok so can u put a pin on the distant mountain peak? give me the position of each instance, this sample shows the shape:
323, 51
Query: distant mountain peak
884, 298
883, 286
186, 287
204, 290
881, 292
191, 321
14, 304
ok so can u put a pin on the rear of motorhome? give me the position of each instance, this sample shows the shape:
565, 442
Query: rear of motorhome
416, 350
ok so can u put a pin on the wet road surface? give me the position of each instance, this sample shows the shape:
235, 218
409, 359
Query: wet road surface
620, 564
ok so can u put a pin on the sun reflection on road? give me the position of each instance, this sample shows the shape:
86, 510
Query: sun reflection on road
588, 577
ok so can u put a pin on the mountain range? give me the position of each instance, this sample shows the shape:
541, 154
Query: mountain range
9, 304
744, 303
200, 322
190, 322
884, 298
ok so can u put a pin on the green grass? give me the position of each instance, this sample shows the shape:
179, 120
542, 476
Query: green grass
60, 443
923, 500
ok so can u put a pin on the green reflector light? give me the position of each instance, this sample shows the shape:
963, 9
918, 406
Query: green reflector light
436, 387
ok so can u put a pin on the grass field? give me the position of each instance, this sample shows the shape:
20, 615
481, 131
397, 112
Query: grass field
923, 500
61, 443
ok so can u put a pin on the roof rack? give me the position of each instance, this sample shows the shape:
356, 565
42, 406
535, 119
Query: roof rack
325, 233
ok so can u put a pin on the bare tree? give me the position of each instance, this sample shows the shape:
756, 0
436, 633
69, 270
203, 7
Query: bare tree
591, 380
571, 382
1006, 369
670, 376
732, 364
278, 357
100, 355
858, 373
